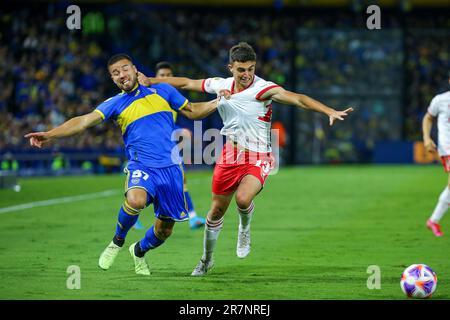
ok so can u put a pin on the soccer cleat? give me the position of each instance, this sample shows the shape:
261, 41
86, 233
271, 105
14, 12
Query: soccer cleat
138, 225
140, 265
196, 222
108, 256
435, 228
243, 243
202, 268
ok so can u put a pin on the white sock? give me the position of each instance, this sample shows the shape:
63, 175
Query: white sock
245, 217
442, 206
212, 230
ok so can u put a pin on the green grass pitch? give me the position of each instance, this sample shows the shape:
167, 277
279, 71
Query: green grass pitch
315, 231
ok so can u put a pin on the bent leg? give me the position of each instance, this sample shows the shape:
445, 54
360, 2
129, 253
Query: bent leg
249, 187
214, 223
439, 211
135, 201
155, 236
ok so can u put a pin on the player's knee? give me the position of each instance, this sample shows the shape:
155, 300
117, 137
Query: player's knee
163, 233
243, 200
137, 202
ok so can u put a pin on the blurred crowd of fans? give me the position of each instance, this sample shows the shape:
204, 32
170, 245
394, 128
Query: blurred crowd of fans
50, 74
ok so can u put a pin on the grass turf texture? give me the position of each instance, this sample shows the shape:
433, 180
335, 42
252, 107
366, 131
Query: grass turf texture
314, 233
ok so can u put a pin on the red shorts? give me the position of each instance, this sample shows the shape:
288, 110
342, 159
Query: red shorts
446, 163
234, 164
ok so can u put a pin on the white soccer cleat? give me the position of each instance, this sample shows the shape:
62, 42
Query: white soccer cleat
108, 256
243, 243
140, 265
202, 268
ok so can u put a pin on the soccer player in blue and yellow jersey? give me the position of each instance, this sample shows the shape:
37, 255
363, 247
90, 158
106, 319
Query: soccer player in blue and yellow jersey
154, 171
163, 69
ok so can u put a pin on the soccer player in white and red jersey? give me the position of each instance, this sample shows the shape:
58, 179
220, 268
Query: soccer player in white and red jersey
246, 160
440, 108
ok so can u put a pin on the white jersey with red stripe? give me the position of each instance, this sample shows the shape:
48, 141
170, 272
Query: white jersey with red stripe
246, 117
440, 107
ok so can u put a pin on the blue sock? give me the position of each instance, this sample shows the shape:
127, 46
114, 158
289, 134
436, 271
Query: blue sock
125, 222
150, 241
189, 201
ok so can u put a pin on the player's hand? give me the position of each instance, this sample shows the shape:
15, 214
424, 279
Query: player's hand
38, 139
339, 115
224, 93
430, 146
144, 80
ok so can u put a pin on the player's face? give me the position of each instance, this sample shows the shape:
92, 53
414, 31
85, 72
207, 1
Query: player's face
164, 73
243, 72
124, 74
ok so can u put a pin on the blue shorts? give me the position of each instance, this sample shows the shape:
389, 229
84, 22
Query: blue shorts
164, 188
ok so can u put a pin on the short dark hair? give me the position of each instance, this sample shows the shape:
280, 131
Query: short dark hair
163, 65
242, 52
118, 57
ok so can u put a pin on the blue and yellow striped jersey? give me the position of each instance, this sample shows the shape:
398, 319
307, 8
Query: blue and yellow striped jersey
145, 116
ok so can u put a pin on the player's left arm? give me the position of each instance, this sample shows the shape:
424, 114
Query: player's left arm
427, 124
199, 110
281, 95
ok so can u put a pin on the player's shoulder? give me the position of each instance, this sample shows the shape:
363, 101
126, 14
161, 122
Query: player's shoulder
114, 100
165, 87
163, 90
261, 86
445, 96
218, 80
215, 84
261, 83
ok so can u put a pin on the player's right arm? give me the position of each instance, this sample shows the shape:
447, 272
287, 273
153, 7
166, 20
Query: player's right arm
427, 124
68, 128
178, 82
199, 110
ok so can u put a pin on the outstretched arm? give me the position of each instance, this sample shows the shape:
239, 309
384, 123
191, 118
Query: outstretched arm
68, 128
199, 110
281, 95
177, 82
427, 124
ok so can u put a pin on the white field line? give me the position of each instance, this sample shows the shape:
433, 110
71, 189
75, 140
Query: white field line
44, 203
81, 197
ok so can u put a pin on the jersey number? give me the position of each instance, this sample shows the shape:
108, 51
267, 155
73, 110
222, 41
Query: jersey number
264, 165
140, 173
268, 116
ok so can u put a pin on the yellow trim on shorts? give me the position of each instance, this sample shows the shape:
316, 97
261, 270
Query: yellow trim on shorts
125, 188
184, 197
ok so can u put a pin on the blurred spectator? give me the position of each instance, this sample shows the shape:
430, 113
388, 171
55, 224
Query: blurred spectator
50, 74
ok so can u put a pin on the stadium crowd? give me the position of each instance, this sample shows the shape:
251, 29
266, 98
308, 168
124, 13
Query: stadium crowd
50, 74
